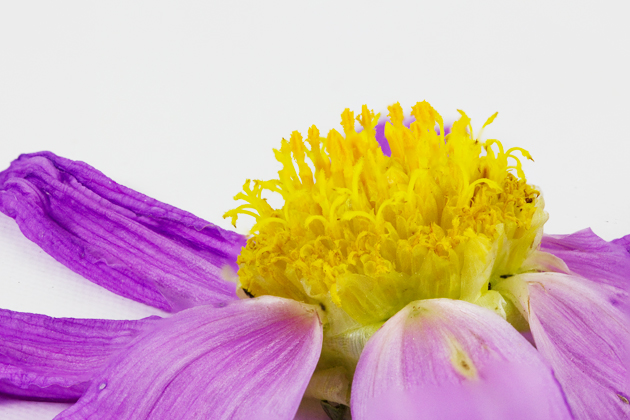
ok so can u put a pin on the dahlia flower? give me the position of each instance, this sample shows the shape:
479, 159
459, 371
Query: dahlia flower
406, 276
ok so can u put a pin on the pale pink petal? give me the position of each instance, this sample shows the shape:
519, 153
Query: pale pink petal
590, 256
581, 331
445, 359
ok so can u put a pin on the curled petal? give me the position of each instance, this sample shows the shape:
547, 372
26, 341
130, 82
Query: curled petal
56, 358
118, 238
585, 336
251, 359
445, 359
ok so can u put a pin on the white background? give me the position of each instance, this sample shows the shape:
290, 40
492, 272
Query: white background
184, 100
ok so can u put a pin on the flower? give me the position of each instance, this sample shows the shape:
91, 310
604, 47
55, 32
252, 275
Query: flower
403, 285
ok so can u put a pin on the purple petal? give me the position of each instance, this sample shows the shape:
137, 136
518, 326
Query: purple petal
446, 359
382, 140
56, 358
590, 256
623, 242
250, 358
118, 238
586, 338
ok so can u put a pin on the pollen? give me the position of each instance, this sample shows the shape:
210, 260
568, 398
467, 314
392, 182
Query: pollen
461, 361
367, 233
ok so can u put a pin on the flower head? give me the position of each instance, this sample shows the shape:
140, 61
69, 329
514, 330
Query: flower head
399, 284
440, 217
364, 234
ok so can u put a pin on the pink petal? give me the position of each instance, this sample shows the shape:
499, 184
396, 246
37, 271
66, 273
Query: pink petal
56, 358
581, 331
592, 257
445, 359
251, 359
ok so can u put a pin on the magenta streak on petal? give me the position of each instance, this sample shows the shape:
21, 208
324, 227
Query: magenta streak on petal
414, 368
56, 358
586, 338
251, 359
118, 238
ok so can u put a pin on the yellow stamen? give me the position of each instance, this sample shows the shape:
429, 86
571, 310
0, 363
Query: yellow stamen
369, 233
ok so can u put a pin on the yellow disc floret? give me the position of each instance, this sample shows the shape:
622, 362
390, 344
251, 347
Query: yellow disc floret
441, 217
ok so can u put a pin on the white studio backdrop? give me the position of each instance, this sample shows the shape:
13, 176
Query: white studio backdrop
183, 101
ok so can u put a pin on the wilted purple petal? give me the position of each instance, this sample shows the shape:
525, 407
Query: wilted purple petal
445, 359
56, 358
250, 359
586, 338
118, 238
590, 256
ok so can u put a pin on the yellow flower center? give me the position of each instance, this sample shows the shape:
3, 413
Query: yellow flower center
363, 234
